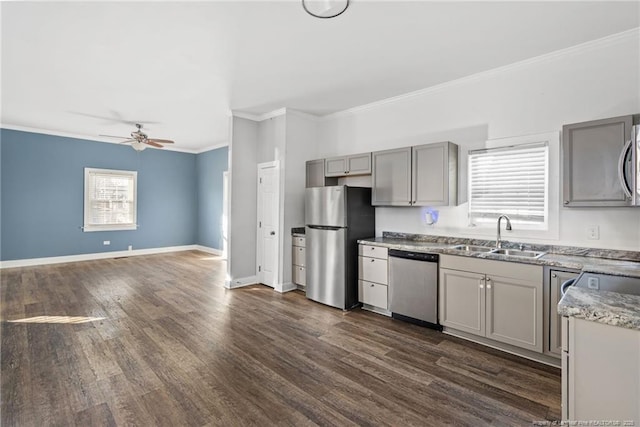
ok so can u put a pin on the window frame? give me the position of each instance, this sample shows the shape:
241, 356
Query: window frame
516, 144
87, 226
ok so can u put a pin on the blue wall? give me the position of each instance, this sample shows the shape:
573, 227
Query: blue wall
42, 182
210, 167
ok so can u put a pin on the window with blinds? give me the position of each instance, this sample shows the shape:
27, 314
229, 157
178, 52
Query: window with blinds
109, 199
510, 180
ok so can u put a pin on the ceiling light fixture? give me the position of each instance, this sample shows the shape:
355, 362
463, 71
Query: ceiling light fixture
138, 146
325, 8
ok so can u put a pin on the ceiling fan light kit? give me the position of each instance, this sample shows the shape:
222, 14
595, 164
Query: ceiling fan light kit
139, 140
138, 146
325, 9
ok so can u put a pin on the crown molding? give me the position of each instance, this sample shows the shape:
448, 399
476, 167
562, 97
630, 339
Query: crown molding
260, 117
212, 147
276, 113
572, 50
99, 139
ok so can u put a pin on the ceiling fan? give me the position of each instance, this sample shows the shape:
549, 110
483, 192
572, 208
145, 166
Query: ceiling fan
139, 140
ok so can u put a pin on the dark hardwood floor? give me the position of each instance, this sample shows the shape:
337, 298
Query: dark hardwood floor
157, 340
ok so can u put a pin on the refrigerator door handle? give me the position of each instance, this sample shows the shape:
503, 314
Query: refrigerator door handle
621, 170
324, 227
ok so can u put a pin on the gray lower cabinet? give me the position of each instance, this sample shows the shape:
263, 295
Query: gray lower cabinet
355, 164
603, 368
461, 304
298, 256
556, 279
498, 300
424, 175
373, 277
514, 312
590, 156
315, 176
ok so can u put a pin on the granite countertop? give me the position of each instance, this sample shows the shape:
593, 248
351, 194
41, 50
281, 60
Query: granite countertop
610, 308
578, 262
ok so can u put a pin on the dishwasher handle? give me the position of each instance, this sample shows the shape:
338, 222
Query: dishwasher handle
417, 256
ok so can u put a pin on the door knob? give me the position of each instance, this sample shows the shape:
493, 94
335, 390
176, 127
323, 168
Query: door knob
273, 233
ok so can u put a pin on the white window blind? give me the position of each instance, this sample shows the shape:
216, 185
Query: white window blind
509, 180
109, 199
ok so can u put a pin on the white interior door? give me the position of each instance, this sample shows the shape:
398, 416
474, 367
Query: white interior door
268, 223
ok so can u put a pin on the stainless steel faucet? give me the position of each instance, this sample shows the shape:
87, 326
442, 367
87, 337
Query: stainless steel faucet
499, 239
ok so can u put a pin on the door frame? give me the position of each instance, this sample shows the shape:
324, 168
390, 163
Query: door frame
259, 246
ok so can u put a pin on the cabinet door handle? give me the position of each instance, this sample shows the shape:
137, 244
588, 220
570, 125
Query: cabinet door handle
373, 260
410, 202
371, 285
554, 275
481, 282
566, 202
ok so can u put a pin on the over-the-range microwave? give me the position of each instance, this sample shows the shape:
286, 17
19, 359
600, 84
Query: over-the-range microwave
629, 167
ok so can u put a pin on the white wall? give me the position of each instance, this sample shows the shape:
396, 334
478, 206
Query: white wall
596, 80
287, 138
301, 141
243, 152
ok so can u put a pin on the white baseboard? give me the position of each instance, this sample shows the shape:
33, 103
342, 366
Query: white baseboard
207, 249
94, 256
238, 283
285, 287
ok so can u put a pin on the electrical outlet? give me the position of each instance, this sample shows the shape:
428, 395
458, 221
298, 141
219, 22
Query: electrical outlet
593, 232
593, 283
106, 242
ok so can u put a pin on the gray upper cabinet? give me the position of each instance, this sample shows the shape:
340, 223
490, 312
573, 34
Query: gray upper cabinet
391, 180
424, 175
435, 174
591, 152
356, 164
315, 174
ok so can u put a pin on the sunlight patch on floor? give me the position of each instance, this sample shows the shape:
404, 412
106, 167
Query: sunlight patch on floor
57, 319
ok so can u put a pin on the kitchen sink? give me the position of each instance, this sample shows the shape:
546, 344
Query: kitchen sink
471, 248
518, 253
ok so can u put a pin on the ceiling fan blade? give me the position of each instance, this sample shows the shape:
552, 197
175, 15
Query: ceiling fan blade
153, 144
126, 141
161, 141
114, 136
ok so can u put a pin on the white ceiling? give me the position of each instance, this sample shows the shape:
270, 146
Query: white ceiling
187, 65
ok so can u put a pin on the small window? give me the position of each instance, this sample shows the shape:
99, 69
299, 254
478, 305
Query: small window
512, 181
110, 198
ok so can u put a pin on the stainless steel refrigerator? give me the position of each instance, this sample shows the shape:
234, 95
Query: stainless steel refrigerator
336, 217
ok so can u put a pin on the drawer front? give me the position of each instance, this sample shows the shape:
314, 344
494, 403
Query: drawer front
298, 241
299, 275
373, 270
373, 294
373, 251
298, 256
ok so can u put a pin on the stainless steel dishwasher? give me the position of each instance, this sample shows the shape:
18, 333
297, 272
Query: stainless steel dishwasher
413, 280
